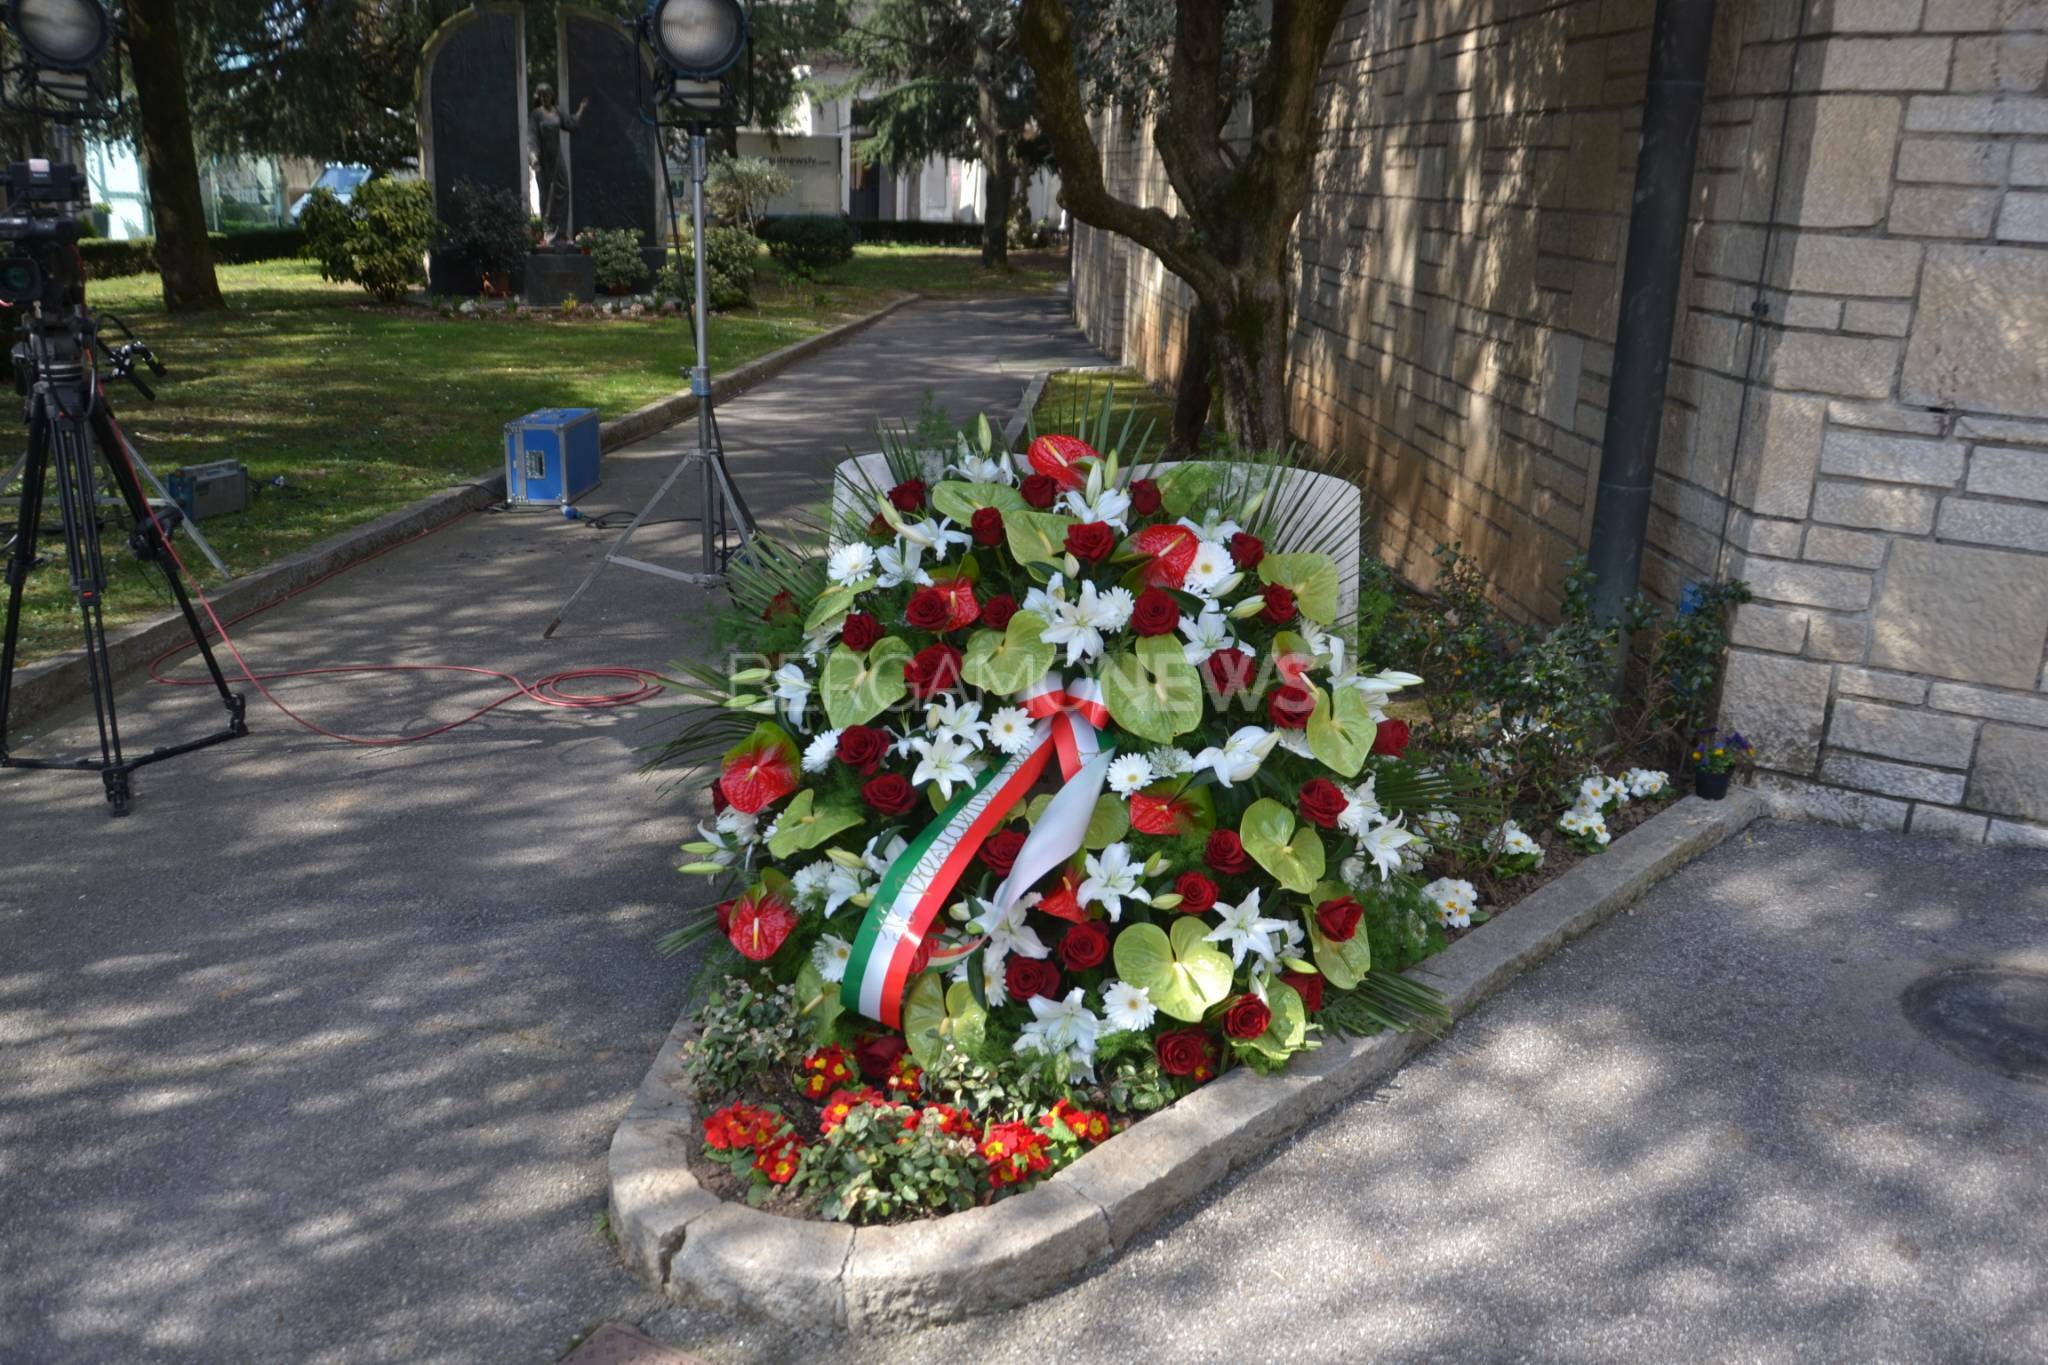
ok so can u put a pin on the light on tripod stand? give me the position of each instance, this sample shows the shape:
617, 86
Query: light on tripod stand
69, 35
699, 40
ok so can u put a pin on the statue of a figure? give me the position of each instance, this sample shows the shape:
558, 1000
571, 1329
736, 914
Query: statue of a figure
551, 171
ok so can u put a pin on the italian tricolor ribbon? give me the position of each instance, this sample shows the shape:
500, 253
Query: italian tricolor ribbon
918, 883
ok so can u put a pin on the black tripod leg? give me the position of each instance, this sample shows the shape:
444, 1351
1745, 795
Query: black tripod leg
78, 496
19, 562
150, 544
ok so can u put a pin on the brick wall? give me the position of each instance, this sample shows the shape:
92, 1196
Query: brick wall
1858, 407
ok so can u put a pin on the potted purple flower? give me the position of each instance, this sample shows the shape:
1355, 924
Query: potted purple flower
1715, 757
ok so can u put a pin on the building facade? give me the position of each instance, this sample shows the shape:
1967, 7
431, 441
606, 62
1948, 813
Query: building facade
1857, 417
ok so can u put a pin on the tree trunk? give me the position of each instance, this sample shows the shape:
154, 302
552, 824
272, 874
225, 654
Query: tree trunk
183, 255
1191, 389
1251, 353
998, 171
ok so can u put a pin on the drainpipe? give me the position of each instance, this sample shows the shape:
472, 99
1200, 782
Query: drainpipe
1683, 31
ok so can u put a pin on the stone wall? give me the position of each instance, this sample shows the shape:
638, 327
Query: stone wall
1857, 420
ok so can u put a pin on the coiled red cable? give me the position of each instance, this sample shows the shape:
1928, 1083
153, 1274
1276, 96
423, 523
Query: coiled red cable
551, 690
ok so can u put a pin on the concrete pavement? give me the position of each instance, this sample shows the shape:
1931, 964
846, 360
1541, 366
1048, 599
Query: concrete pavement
315, 1057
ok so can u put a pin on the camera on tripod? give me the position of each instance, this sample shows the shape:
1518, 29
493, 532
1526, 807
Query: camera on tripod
41, 265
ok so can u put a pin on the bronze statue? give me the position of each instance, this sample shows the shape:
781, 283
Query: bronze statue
551, 169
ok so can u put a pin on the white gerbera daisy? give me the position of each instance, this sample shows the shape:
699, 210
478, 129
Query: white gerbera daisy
1212, 570
1011, 730
808, 883
850, 563
820, 752
1125, 1006
830, 955
1129, 773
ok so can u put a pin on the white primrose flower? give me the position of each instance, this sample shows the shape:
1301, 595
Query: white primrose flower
1361, 807
1111, 505
900, 564
945, 760
1112, 876
1207, 633
1011, 729
820, 752
1171, 762
1597, 789
956, 718
1513, 842
1129, 773
829, 955
1585, 824
1063, 1027
1125, 1006
1007, 933
1412, 856
1213, 526
1247, 931
1079, 624
1239, 757
1213, 572
1645, 782
793, 690
1438, 825
849, 564
1383, 845
1455, 900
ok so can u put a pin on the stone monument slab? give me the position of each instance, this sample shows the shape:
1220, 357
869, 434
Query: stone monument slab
614, 157
472, 114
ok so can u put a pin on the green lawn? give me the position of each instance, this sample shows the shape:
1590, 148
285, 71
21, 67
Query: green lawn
363, 409
1072, 402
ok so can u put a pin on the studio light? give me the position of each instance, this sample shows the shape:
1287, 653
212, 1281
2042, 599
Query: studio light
700, 40
68, 35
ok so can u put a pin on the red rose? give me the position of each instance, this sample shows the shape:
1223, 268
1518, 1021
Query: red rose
987, 525
1156, 613
1247, 1017
1090, 540
1000, 851
781, 607
997, 611
891, 793
1391, 739
1225, 853
877, 1054
880, 527
1321, 801
1247, 550
927, 609
1144, 497
1084, 946
1230, 672
1338, 919
935, 669
863, 747
1028, 976
1290, 706
859, 632
1279, 608
1197, 893
907, 496
1309, 986
724, 913
1039, 490
1187, 1052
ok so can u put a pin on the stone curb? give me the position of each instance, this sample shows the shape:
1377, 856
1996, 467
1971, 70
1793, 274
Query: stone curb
43, 686
682, 1239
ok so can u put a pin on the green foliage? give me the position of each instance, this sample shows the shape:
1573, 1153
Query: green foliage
378, 239
730, 265
615, 258
106, 258
749, 1029
871, 1167
739, 188
994, 1082
1681, 669
810, 242
485, 227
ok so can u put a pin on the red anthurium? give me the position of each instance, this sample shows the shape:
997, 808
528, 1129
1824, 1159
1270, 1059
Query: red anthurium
1157, 812
1059, 459
759, 924
1061, 902
760, 770
1294, 668
961, 607
1172, 551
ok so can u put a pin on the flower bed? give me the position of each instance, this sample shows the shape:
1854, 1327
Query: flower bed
1052, 793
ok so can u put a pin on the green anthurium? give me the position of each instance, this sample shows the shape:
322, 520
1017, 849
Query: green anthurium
1109, 822
859, 687
1341, 729
1182, 972
1293, 856
1007, 661
818, 1002
934, 1013
961, 501
800, 827
1152, 690
1288, 1029
834, 603
1183, 488
1343, 963
1312, 578
1037, 537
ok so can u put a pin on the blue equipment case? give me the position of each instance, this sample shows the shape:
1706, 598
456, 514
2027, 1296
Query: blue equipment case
552, 456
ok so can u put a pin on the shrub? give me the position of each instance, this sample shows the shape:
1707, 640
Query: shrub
105, 257
485, 228
615, 256
730, 267
739, 188
810, 242
378, 240
913, 232
747, 1030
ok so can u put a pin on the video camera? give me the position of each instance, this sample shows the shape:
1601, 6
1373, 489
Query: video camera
41, 263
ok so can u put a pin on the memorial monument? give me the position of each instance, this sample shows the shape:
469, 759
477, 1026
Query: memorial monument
472, 113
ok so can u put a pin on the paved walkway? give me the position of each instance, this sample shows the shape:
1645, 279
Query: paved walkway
1705, 1132
315, 1057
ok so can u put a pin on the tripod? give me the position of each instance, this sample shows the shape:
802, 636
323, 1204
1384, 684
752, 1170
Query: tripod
723, 512
68, 419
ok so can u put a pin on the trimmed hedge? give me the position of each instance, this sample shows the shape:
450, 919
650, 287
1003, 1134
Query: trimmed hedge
908, 232
105, 257
810, 241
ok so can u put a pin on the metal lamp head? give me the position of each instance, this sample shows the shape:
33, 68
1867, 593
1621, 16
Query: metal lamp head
65, 35
699, 40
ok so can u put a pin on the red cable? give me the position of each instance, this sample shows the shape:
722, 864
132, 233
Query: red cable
548, 691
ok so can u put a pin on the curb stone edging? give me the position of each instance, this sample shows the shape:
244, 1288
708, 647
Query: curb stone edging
683, 1240
42, 687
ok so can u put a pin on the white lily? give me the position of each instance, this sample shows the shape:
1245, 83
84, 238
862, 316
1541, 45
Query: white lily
982, 468
944, 760
1207, 633
879, 859
1112, 876
957, 718
1111, 505
937, 536
1239, 757
793, 690
1007, 933
901, 564
1079, 624
1214, 525
1247, 931
1063, 1027
744, 828
1383, 844
1361, 807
